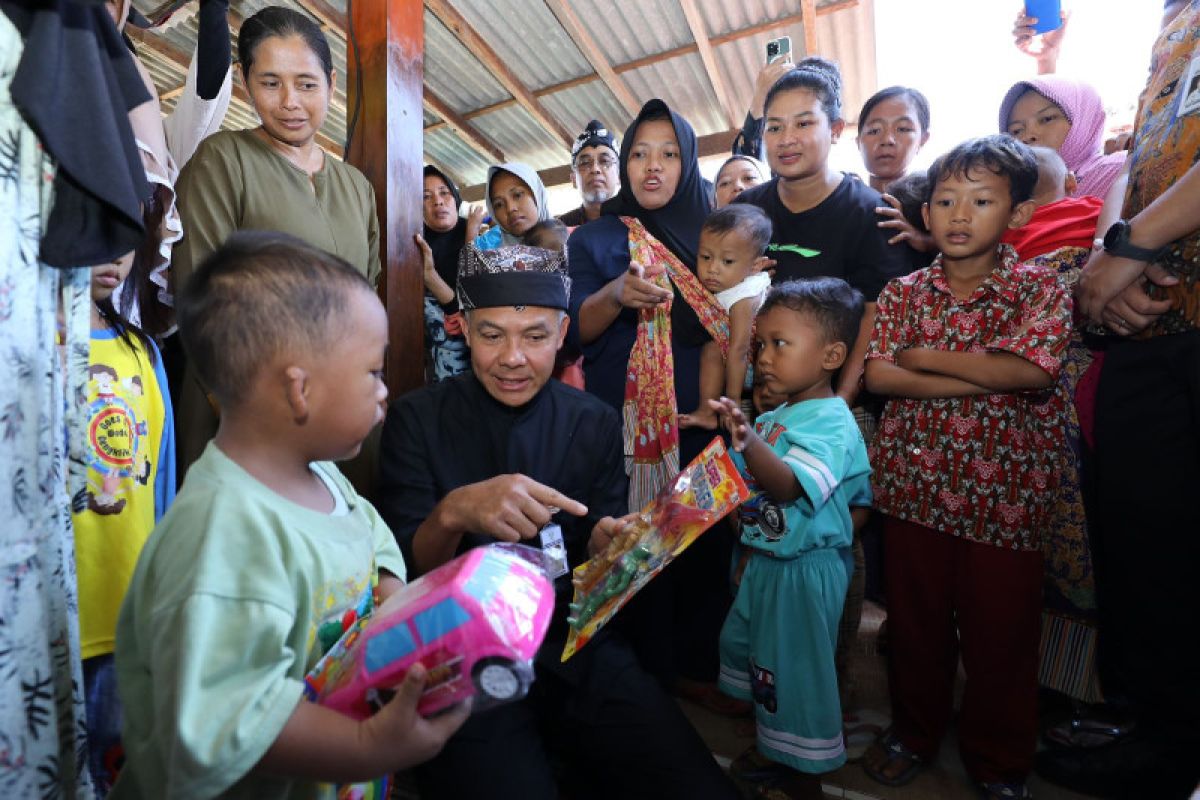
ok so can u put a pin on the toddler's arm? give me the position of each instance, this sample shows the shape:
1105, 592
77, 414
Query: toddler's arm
320, 744
768, 470
741, 323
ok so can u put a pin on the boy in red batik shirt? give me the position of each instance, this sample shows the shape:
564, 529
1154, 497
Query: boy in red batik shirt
968, 351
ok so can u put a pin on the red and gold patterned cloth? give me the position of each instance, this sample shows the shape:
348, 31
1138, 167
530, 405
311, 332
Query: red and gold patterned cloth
651, 420
985, 467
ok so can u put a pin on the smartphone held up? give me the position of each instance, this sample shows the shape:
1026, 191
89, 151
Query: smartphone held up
779, 50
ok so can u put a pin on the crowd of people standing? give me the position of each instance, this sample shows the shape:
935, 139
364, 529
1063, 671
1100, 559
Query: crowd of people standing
974, 385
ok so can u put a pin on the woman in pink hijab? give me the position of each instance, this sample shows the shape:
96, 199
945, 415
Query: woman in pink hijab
1066, 115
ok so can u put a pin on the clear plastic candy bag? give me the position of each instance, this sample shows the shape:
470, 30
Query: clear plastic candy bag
704, 492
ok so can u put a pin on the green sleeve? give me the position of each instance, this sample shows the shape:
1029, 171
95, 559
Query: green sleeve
209, 193
229, 691
387, 552
373, 265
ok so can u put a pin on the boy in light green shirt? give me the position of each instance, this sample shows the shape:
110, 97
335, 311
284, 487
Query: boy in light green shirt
267, 549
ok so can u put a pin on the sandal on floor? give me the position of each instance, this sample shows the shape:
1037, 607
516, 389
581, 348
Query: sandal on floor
1085, 733
1005, 791
888, 751
753, 767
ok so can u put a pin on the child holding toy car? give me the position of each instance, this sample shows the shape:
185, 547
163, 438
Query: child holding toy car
267, 545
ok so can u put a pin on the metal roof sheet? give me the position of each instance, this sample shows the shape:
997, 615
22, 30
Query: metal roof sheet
529, 39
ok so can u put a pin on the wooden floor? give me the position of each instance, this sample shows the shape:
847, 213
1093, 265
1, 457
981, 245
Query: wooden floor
945, 780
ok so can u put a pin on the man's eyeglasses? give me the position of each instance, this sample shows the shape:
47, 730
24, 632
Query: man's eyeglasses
587, 162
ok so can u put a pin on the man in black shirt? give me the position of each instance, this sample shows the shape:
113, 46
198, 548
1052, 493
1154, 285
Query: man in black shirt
593, 172
496, 454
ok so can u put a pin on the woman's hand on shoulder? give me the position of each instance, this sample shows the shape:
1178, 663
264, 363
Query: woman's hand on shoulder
893, 218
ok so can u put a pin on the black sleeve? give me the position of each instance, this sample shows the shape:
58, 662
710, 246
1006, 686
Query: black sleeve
610, 492
407, 493
875, 262
213, 48
749, 141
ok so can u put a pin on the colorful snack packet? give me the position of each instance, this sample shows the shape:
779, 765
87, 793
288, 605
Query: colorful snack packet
704, 492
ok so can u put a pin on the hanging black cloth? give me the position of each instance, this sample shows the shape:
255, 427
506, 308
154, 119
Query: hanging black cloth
677, 224
76, 84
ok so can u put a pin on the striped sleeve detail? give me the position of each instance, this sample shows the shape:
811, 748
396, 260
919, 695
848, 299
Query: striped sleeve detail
806, 464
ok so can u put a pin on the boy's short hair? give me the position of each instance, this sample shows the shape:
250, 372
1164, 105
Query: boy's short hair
749, 220
913, 192
836, 305
1001, 154
547, 227
259, 295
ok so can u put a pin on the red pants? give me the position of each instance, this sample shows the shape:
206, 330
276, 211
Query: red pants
947, 594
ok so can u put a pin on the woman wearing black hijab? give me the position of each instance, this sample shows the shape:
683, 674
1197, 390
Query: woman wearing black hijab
444, 235
622, 309
661, 188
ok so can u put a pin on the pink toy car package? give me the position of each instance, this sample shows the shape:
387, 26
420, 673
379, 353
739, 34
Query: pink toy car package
474, 623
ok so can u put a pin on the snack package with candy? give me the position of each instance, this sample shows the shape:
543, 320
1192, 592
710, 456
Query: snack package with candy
704, 492
474, 623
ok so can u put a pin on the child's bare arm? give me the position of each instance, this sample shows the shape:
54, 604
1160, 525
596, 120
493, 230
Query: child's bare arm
768, 470
320, 744
741, 322
996, 372
389, 584
852, 371
886, 378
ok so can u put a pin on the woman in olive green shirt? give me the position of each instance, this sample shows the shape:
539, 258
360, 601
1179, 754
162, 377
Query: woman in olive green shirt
274, 177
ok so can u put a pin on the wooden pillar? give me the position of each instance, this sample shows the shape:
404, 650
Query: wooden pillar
388, 148
808, 8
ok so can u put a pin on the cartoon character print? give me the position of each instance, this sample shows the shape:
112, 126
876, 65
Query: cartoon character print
760, 517
118, 438
762, 687
336, 614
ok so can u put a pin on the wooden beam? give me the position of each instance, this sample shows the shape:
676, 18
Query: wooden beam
709, 57
706, 146
582, 39
463, 129
675, 52
808, 9
387, 147
477, 46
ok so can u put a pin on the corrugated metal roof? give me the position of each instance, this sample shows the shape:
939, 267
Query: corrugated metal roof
528, 39
579, 105
453, 74
531, 42
633, 30
683, 84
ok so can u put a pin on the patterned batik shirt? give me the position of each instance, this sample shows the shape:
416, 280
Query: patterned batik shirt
1165, 147
983, 467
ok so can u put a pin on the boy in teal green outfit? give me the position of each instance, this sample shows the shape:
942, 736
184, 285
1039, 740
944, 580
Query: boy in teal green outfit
806, 464
267, 548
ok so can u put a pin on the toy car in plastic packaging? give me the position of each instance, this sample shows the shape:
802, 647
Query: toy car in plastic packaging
474, 623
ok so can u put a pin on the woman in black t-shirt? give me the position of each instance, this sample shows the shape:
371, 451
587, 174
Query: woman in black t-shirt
825, 221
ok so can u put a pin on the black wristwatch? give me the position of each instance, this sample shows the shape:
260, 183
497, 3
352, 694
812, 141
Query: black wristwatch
1116, 242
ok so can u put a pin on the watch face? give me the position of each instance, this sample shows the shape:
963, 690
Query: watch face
1116, 234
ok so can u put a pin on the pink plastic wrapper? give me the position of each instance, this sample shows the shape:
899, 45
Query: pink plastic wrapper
474, 623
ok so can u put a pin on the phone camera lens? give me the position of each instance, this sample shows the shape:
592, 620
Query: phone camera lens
773, 48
